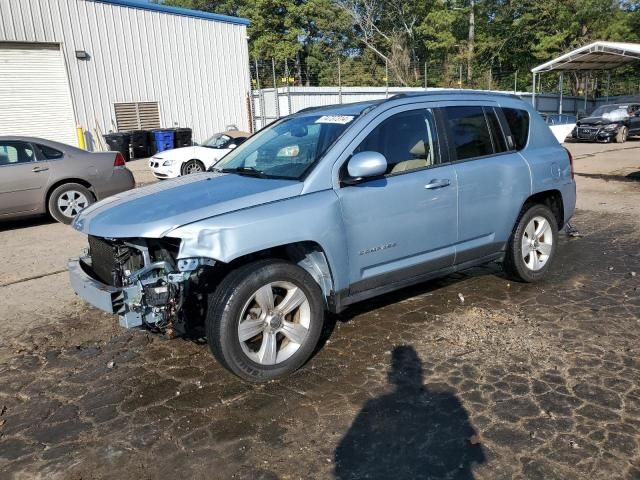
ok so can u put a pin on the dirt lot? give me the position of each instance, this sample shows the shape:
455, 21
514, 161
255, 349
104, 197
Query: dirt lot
514, 381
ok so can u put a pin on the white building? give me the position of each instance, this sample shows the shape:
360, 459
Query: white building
119, 65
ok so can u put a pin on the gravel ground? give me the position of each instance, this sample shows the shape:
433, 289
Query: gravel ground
470, 376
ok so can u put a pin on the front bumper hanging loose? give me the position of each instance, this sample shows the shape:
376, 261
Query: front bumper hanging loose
151, 295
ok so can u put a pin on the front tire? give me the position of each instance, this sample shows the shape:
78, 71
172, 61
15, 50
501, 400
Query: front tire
67, 200
265, 319
532, 246
192, 166
622, 135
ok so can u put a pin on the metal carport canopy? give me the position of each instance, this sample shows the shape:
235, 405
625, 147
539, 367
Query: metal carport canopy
595, 56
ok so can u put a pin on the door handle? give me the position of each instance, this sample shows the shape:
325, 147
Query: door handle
39, 169
433, 184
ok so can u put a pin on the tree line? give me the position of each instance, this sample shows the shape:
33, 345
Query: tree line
400, 41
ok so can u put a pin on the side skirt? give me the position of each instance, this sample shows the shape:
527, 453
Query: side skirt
338, 301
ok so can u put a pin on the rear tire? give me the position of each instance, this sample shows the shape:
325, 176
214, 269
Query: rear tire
67, 200
192, 166
265, 319
533, 243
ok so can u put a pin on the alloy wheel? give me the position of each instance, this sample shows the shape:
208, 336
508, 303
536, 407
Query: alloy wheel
274, 323
537, 243
193, 167
71, 202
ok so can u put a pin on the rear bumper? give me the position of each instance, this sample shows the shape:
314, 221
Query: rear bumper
569, 200
121, 181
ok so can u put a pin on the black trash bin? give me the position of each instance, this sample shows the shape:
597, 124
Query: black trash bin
141, 143
119, 142
183, 137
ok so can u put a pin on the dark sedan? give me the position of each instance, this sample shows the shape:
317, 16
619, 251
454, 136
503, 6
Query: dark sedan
609, 123
39, 176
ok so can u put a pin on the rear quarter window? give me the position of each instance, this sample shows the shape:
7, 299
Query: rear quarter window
50, 153
518, 121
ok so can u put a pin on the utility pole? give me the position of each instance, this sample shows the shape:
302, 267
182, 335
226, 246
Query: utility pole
425, 75
561, 88
286, 74
260, 95
472, 39
386, 78
276, 92
515, 82
339, 82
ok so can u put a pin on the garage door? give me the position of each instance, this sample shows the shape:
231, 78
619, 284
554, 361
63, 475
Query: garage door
35, 99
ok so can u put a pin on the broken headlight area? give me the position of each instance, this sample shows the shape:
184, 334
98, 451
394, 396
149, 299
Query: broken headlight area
152, 284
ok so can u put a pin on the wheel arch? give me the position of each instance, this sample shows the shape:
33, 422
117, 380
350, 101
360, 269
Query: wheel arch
550, 198
308, 255
184, 162
58, 183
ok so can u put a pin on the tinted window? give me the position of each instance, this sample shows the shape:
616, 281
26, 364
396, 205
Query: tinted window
468, 131
407, 140
518, 121
499, 142
15, 152
50, 153
286, 149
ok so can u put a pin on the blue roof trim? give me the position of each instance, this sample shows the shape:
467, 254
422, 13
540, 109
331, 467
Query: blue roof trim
185, 12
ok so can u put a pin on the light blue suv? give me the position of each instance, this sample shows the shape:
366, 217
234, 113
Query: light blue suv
325, 208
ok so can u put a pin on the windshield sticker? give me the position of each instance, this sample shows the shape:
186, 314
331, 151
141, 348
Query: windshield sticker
340, 119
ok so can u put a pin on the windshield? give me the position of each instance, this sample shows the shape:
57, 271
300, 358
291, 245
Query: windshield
288, 148
611, 112
219, 140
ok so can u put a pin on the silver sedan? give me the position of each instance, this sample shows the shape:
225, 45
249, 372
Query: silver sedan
39, 176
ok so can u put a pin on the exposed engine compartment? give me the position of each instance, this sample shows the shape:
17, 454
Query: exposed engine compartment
154, 284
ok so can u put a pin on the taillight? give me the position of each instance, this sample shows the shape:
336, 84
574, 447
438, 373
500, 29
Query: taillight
119, 161
570, 161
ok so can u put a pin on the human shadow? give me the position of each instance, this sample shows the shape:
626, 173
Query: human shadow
414, 432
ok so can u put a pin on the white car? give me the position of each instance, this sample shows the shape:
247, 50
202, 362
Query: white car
199, 158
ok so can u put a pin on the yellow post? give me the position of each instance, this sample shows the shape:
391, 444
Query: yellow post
80, 133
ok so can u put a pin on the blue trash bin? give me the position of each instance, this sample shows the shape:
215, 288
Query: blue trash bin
163, 139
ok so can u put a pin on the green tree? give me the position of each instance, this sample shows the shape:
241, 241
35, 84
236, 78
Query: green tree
508, 36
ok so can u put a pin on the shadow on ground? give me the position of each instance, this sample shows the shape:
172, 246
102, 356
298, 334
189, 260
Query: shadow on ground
34, 221
413, 432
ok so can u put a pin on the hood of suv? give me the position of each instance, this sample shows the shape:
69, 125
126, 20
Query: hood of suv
154, 210
597, 121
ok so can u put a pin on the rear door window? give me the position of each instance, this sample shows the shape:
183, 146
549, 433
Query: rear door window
12, 152
518, 121
468, 130
499, 141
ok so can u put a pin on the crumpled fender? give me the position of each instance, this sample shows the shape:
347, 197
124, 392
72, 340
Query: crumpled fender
314, 217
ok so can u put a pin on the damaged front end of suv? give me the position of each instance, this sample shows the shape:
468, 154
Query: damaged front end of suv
139, 279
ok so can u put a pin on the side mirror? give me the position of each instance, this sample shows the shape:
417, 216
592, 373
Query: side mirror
367, 164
